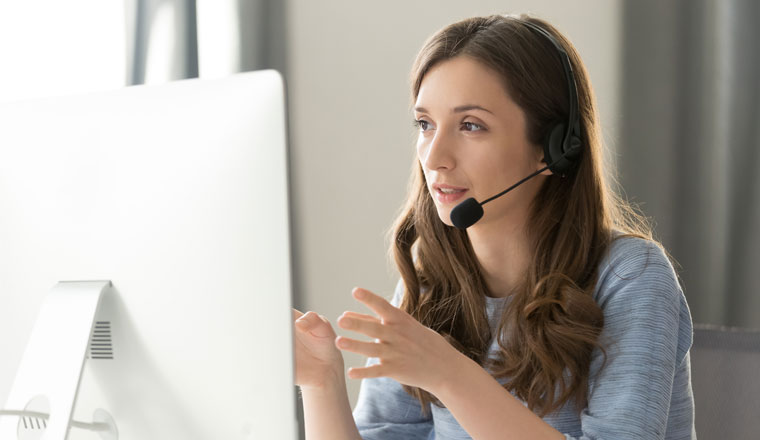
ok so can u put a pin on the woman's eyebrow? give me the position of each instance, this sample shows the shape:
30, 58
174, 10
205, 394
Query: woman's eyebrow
458, 109
464, 108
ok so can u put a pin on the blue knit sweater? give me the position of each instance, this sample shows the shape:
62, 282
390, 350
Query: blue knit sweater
643, 392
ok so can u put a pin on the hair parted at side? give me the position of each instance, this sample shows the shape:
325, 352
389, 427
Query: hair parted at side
552, 324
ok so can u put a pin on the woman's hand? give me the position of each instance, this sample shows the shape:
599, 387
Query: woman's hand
409, 352
318, 363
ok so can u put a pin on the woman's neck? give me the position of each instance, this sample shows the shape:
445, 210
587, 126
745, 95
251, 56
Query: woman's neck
503, 251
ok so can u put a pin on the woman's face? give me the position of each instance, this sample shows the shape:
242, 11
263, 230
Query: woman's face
472, 142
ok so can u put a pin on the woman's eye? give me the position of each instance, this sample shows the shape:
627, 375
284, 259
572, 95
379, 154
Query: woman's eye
471, 126
422, 124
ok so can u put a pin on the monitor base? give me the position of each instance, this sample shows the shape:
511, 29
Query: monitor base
51, 367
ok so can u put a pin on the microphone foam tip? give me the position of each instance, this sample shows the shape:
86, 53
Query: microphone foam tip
466, 213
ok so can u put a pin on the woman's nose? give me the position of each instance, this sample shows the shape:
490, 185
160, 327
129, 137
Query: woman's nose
438, 153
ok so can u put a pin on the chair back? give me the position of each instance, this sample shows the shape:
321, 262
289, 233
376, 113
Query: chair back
725, 375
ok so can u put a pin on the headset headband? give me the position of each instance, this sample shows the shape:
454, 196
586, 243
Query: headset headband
573, 125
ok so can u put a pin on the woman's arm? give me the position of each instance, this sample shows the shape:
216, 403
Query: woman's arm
484, 408
327, 412
384, 411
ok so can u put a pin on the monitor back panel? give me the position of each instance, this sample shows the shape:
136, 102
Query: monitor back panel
178, 195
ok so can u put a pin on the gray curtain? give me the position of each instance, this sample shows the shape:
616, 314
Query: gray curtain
260, 29
690, 144
140, 15
262, 35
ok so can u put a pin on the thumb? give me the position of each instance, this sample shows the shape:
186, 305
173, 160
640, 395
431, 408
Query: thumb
315, 324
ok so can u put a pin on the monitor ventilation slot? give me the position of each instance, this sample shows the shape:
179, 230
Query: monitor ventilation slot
34, 423
101, 346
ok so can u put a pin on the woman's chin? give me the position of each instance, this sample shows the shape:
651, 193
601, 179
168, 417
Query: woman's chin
445, 216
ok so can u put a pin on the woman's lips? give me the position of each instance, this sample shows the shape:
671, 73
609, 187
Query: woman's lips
448, 197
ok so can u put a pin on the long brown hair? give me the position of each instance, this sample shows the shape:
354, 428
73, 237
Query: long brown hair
552, 324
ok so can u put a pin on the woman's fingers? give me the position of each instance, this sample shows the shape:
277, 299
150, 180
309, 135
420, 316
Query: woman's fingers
366, 325
309, 318
378, 304
369, 349
367, 372
306, 320
357, 315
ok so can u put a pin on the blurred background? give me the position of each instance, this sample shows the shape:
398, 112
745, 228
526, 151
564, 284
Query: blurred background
676, 83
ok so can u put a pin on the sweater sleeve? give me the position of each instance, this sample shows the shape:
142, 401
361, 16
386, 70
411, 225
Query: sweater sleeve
647, 334
384, 411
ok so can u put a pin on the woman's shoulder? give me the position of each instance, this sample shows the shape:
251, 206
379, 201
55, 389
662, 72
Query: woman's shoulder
631, 247
640, 295
640, 267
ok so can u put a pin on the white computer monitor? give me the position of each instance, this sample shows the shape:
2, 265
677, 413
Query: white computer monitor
166, 209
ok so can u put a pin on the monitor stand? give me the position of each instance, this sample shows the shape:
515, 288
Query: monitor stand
47, 381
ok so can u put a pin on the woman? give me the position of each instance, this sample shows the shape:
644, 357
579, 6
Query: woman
553, 316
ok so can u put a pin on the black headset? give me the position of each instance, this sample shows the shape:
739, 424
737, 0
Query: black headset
562, 144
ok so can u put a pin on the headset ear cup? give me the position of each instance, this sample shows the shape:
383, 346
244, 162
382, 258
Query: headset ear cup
575, 149
553, 150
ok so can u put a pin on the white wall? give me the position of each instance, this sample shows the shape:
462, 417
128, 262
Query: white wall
52, 48
352, 140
